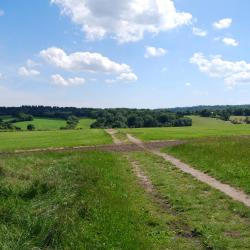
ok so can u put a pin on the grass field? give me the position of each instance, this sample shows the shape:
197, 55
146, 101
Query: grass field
85, 123
43, 139
202, 127
43, 124
227, 159
80, 201
219, 222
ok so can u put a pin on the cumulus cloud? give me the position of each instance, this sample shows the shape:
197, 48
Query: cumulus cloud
84, 61
233, 72
199, 32
154, 52
59, 80
23, 71
230, 42
1, 12
223, 23
125, 77
125, 21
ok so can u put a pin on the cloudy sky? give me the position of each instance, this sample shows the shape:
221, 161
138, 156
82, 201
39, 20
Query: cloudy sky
133, 53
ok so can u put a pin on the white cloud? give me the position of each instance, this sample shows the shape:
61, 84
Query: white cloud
199, 32
1, 12
23, 71
125, 77
233, 72
84, 61
188, 84
239, 78
154, 52
125, 21
59, 80
230, 41
223, 23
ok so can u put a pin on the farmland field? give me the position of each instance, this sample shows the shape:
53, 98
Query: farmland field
43, 139
227, 159
202, 127
43, 124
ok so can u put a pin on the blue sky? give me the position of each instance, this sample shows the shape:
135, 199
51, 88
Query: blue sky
134, 53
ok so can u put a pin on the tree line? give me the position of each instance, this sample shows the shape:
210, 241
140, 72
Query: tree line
105, 118
138, 118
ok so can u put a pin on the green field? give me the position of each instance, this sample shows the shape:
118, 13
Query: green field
218, 221
202, 127
45, 139
80, 201
85, 123
227, 159
43, 124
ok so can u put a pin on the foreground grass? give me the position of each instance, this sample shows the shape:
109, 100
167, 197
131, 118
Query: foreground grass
220, 222
44, 139
227, 159
43, 124
202, 127
79, 200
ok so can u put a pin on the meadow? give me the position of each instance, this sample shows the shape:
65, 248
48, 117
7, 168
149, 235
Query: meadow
227, 159
85, 123
202, 127
94, 199
42, 124
58, 138
79, 200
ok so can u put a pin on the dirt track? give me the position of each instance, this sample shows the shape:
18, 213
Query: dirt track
153, 147
225, 188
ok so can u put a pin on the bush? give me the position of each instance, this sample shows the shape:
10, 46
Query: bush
31, 127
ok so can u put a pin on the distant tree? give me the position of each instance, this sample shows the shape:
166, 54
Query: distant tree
225, 115
247, 120
31, 127
205, 113
149, 121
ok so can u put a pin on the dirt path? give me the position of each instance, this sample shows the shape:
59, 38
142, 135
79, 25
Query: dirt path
112, 133
225, 188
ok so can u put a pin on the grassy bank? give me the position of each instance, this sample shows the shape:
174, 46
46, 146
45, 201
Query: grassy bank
227, 159
220, 222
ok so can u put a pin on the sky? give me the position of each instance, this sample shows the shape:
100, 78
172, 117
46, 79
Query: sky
133, 53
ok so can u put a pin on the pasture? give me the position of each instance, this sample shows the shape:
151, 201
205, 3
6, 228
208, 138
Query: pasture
202, 127
58, 138
85, 123
43, 124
